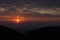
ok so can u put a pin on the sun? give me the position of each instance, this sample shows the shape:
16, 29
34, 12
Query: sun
17, 20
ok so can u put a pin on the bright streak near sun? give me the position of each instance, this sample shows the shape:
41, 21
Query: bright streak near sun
19, 19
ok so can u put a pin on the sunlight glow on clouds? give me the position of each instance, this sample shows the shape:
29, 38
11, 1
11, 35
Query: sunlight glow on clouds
52, 11
30, 10
2, 9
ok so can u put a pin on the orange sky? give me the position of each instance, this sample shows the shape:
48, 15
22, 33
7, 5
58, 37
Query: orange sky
21, 18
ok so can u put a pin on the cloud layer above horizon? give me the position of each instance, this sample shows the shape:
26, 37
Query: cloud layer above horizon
11, 7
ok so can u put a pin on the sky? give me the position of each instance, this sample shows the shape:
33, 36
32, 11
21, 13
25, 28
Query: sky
46, 12
26, 7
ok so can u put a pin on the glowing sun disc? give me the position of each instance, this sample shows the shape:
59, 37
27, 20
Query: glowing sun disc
17, 20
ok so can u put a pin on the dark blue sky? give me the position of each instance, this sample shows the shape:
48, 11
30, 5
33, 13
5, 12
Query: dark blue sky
36, 2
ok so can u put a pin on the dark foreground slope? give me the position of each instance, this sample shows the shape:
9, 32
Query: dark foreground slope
44, 33
9, 34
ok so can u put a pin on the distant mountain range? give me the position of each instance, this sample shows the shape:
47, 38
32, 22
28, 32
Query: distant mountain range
46, 32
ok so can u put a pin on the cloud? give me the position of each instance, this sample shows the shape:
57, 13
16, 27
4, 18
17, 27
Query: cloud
28, 9
50, 11
3, 9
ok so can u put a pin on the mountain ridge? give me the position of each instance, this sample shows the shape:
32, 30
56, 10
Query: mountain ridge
45, 32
